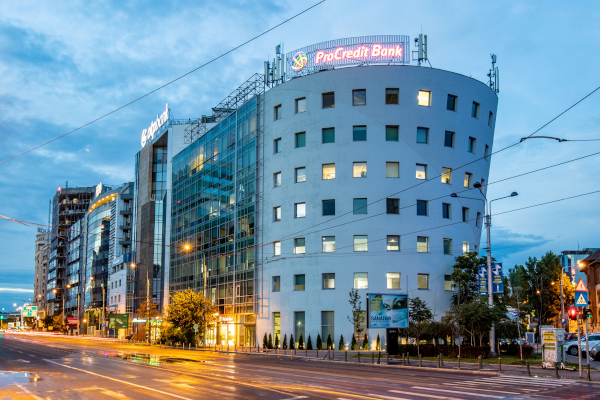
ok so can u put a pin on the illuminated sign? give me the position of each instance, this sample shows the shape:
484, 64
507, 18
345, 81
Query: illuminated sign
148, 134
299, 61
361, 52
29, 311
226, 319
387, 310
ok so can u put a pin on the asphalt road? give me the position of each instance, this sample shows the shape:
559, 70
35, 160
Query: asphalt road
62, 368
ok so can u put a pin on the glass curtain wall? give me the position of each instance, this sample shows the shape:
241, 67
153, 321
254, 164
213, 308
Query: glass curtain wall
159, 192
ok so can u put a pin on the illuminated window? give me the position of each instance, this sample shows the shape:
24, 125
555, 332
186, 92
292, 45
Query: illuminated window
328, 171
328, 281
392, 170
276, 283
393, 280
299, 324
361, 280
468, 177
422, 207
391, 96
359, 170
422, 135
300, 174
471, 144
300, 210
446, 175
475, 110
277, 248
329, 135
466, 247
449, 139
359, 133
421, 171
422, 244
301, 139
447, 246
328, 207
423, 281
465, 214
391, 133
277, 110
360, 243
447, 283
392, 206
277, 213
446, 211
491, 119
329, 100
424, 98
299, 282
360, 206
451, 104
393, 243
299, 246
359, 97
277, 146
277, 179
328, 244
301, 105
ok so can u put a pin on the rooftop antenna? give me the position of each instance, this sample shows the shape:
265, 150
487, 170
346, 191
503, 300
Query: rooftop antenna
494, 76
421, 52
275, 70
66, 184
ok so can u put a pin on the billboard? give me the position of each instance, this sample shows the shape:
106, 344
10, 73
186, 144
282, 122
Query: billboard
118, 321
387, 310
29, 311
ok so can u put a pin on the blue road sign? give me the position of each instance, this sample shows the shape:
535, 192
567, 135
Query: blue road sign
581, 299
497, 279
483, 280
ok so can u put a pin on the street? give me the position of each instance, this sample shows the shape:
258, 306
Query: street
58, 367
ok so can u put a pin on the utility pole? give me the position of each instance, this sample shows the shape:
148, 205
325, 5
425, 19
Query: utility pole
102, 321
579, 340
488, 225
562, 301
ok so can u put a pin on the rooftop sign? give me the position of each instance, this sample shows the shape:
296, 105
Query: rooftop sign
148, 134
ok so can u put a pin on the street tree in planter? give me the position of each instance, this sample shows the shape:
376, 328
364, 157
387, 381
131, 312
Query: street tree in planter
419, 317
357, 318
189, 308
319, 342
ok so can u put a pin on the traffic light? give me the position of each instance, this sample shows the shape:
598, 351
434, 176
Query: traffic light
533, 313
573, 313
587, 313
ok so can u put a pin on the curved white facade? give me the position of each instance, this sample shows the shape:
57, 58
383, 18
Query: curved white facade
376, 224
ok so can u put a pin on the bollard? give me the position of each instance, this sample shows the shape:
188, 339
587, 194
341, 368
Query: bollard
556, 371
459, 362
372, 358
295, 352
305, 352
479, 362
499, 364
346, 355
359, 357
387, 358
402, 358
528, 371
291, 355
439, 362
278, 353
267, 353
408, 358
379, 358
317, 353
588, 371
333, 354
420, 361
442, 359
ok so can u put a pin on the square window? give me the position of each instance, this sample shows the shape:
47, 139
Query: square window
277, 248
391, 96
328, 171
468, 177
300, 175
299, 246
447, 246
277, 146
360, 243
449, 139
361, 280
301, 139
277, 112
277, 213
299, 282
422, 135
329, 135
451, 104
491, 119
328, 244
421, 171
422, 207
465, 247
276, 283
360, 206
475, 110
392, 169
359, 170
359, 97
423, 281
471, 145
465, 214
393, 280
446, 211
391, 133
328, 281
301, 105
446, 175
392, 206
359, 133
329, 100
277, 179
300, 210
328, 207
393, 243
422, 244
486, 153
424, 98
447, 283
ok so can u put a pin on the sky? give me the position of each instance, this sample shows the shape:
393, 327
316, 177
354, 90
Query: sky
64, 64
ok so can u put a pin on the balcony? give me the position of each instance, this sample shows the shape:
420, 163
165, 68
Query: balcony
125, 227
126, 210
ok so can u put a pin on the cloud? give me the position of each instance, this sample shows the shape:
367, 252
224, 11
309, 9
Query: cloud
506, 243
19, 290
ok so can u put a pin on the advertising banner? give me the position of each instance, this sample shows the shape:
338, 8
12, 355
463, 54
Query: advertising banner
387, 310
497, 279
29, 311
483, 282
72, 322
118, 321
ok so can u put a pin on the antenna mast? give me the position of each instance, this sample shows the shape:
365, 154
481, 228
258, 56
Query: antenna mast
494, 76
421, 52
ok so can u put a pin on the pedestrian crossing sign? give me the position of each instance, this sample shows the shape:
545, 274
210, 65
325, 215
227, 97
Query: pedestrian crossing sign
580, 286
581, 299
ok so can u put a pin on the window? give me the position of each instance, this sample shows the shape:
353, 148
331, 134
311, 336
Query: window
451, 104
277, 179
299, 246
391, 133
424, 98
423, 281
392, 206
329, 135
422, 207
276, 283
301, 139
301, 105
328, 171
447, 283
359, 133
421, 171
446, 211
277, 113
328, 207
391, 96
465, 247
328, 244
276, 325
300, 210
299, 282
393, 280
468, 177
471, 145
446, 175
447, 246
299, 323
328, 281
478, 220
277, 248
359, 97
361, 280
393, 243
360, 206
327, 331
422, 135
392, 170
359, 170
491, 119
475, 110
328, 100
449, 139
300, 175
360, 243
277, 213
486, 153
422, 244
277, 146
465, 214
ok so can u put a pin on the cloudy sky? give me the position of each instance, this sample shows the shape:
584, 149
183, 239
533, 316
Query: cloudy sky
63, 64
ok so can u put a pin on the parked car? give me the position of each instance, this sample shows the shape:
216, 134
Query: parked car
572, 344
595, 353
570, 336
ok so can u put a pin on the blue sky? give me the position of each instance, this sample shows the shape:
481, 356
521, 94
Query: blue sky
64, 64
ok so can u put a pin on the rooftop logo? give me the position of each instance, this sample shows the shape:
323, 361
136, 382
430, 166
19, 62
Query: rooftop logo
377, 51
299, 61
148, 134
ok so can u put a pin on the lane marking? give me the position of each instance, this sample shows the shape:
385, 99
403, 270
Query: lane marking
29, 392
380, 396
118, 380
461, 392
474, 387
518, 381
424, 395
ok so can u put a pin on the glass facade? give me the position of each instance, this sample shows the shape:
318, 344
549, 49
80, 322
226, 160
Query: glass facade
159, 192
96, 266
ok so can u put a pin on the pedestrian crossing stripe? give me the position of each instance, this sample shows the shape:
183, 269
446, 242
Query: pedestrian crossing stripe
580, 286
581, 301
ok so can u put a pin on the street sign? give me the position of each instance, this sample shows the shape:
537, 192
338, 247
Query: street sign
580, 286
581, 294
29, 311
497, 279
483, 282
196, 328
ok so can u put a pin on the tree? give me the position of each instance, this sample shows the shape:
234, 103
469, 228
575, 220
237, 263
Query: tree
276, 341
58, 323
270, 342
319, 342
147, 311
465, 277
188, 308
329, 342
309, 344
357, 318
419, 317
284, 343
478, 317
378, 343
354, 345
365, 345
301, 343
292, 343
265, 341
342, 344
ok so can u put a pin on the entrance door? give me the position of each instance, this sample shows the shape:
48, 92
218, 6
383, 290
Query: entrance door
392, 341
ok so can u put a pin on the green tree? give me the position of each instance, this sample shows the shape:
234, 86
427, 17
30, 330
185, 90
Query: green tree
284, 343
478, 317
354, 345
309, 344
465, 277
319, 342
188, 308
378, 343
420, 315
365, 344
58, 323
301, 343
342, 344
329, 342
292, 343
265, 341
270, 342
357, 318
276, 341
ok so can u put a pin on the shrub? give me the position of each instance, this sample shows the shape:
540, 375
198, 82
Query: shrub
378, 343
292, 344
284, 343
319, 342
430, 350
341, 345
301, 343
354, 345
309, 344
270, 342
365, 345
276, 341
329, 342
265, 341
